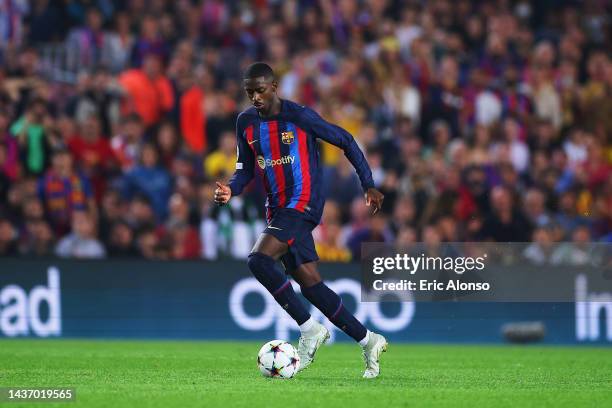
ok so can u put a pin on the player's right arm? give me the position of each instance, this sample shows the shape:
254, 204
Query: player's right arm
244, 170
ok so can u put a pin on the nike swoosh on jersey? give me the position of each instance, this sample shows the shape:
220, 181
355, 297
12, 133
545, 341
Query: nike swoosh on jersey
280, 229
251, 142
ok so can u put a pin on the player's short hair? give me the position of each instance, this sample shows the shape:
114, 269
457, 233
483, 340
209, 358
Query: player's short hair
258, 69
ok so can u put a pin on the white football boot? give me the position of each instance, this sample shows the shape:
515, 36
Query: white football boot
377, 345
309, 344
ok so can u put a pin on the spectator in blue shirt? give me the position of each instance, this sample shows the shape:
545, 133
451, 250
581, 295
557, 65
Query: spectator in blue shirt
150, 179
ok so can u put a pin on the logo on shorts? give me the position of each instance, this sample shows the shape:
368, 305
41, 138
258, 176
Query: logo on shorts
287, 137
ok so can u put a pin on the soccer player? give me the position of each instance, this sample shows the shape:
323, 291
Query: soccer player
280, 137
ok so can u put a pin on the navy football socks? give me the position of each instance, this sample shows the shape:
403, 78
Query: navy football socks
328, 302
267, 272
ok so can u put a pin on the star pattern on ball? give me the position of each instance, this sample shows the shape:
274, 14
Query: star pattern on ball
274, 372
276, 349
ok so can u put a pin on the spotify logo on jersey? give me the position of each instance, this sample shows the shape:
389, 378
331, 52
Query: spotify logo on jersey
263, 163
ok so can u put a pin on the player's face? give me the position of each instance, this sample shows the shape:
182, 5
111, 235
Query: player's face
261, 92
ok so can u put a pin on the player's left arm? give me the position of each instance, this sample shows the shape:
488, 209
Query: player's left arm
344, 140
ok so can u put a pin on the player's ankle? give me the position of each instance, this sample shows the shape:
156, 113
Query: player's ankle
364, 342
308, 327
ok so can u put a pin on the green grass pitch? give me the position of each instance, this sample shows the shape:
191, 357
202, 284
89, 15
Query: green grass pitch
225, 374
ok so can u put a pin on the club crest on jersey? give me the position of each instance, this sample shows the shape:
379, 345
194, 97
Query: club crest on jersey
261, 162
287, 137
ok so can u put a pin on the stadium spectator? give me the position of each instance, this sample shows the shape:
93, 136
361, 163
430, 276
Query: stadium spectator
329, 247
149, 43
64, 191
517, 149
89, 41
182, 237
405, 237
183, 240
576, 252
167, 144
98, 95
140, 213
341, 183
535, 208
540, 251
30, 132
81, 242
376, 231
149, 92
149, 179
37, 239
121, 42
191, 98
506, 223
33, 208
45, 21
331, 215
126, 144
478, 121
93, 154
448, 229
149, 246
221, 163
9, 150
596, 170
567, 215
8, 238
112, 210
5, 181
121, 241
602, 214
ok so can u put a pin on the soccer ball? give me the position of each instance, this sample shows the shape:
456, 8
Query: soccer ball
277, 358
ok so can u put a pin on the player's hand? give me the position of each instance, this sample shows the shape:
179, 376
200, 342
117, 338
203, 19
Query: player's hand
222, 193
374, 199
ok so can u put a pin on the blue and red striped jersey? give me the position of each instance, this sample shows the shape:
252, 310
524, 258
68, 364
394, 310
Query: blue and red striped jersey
284, 147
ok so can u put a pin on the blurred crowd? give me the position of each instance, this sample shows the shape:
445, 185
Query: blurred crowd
481, 120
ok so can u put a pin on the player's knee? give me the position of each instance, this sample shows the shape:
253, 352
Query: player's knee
306, 277
309, 279
258, 261
265, 271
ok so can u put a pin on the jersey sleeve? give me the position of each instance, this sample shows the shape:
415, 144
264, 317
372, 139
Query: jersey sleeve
344, 140
244, 164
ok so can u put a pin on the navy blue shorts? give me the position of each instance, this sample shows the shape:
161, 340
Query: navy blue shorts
291, 226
